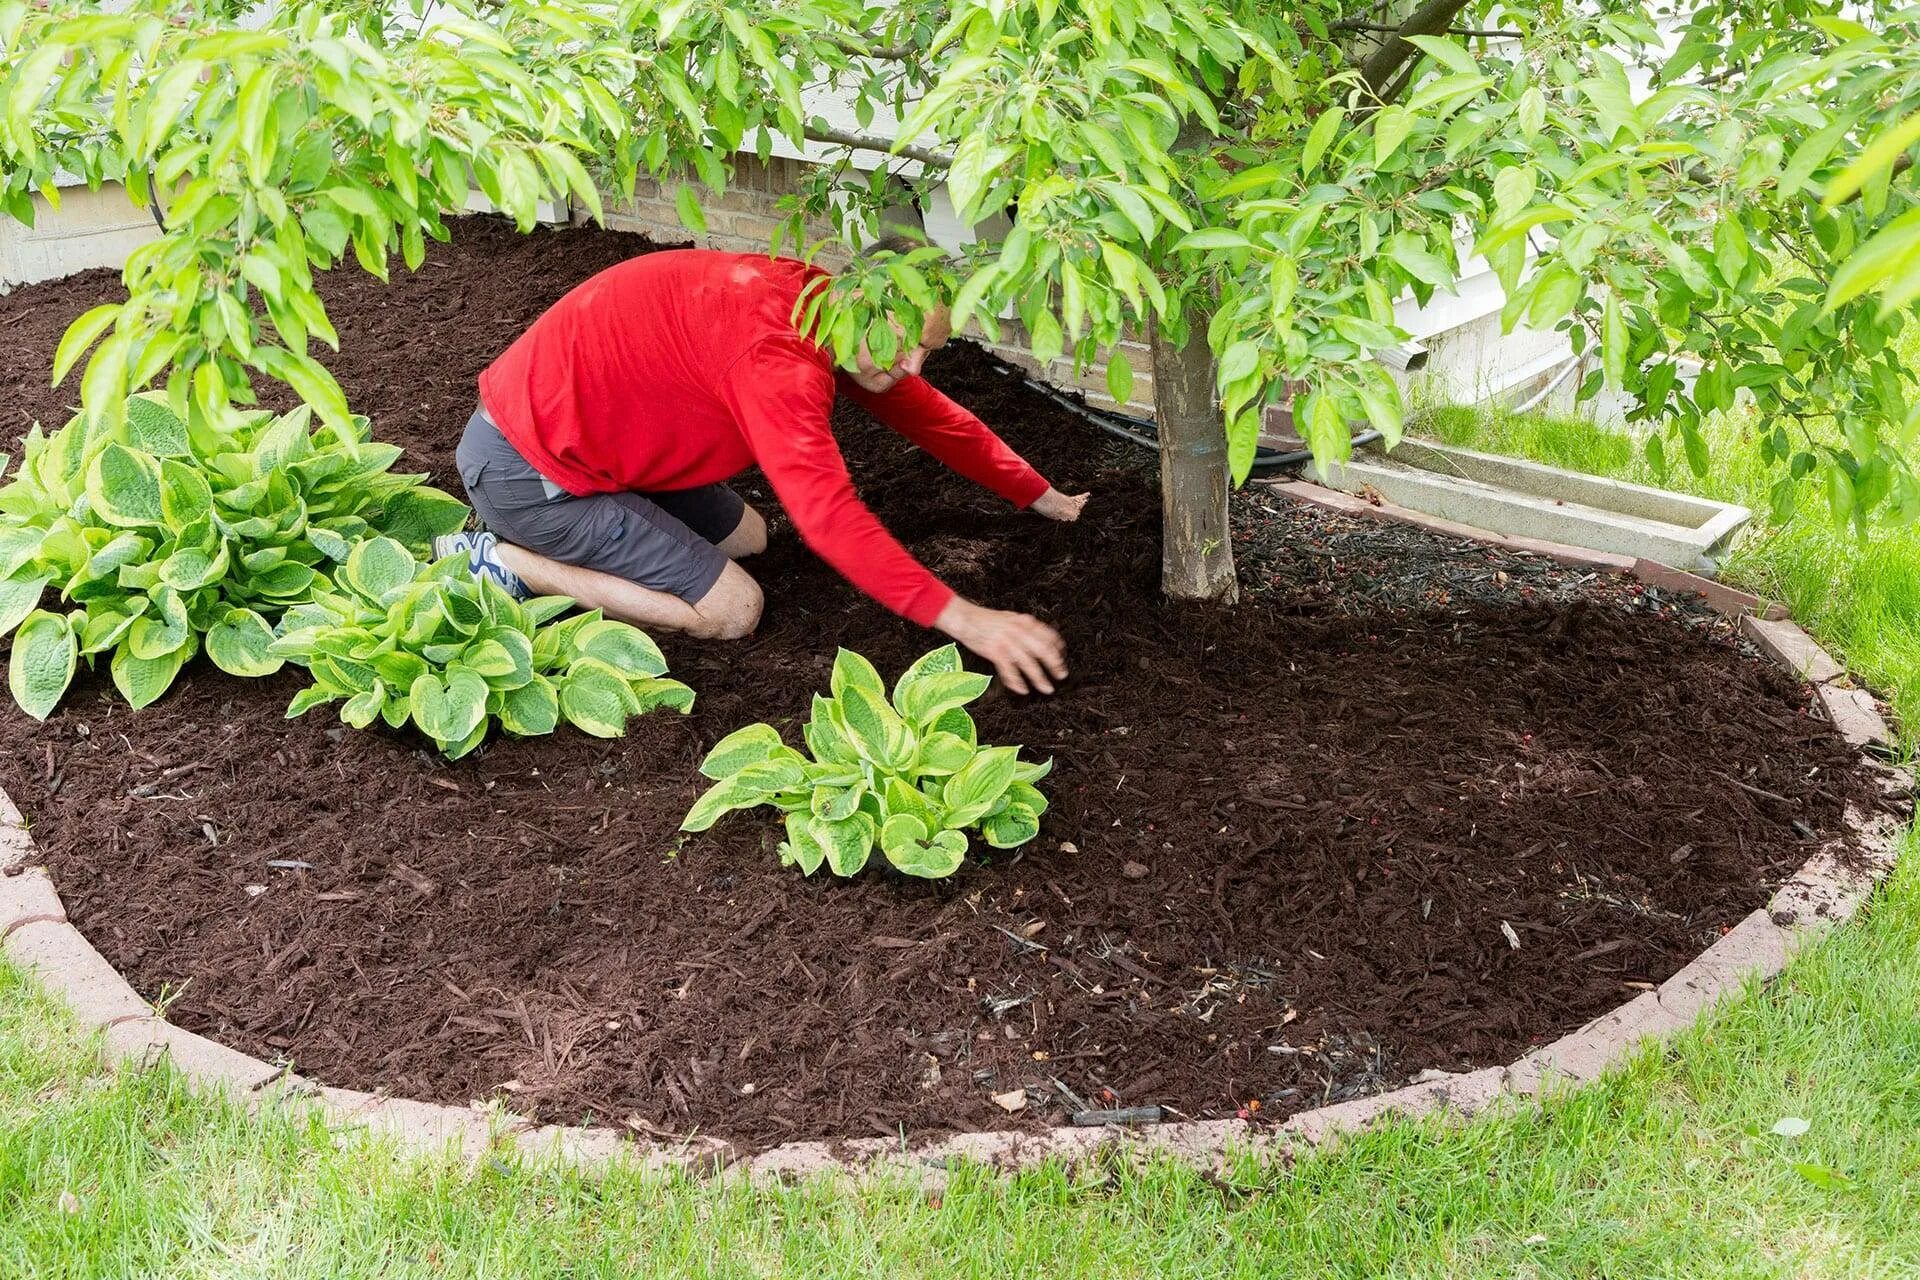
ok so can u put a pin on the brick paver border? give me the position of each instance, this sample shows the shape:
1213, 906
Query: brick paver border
35, 933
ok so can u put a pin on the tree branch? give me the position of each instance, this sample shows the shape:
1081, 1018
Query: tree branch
866, 142
1361, 24
881, 52
1430, 19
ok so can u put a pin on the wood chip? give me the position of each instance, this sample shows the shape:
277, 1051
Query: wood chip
1011, 1101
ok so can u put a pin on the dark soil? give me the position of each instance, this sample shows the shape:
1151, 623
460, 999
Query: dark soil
1413, 804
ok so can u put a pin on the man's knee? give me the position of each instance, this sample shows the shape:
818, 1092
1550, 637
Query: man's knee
749, 537
731, 608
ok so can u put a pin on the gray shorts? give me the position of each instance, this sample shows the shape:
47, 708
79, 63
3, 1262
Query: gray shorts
665, 541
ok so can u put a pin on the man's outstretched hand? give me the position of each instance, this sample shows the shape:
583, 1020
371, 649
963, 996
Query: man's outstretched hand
1055, 505
1028, 654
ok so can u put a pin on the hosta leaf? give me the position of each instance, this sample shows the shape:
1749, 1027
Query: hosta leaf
329, 544
923, 698
543, 609
626, 649
945, 658
940, 754
972, 791
653, 693
123, 487
957, 722
456, 750
308, 698
417, 515
826, 737
851, 671
1023, 793
1032, 772
19, 596
378, 567
848, 841
191, 568
752, 786
800, 848
155, 636
875, 729
45, 652
364, 708
285, 581
596, 700
239, 645
153, 427
490, 660
1011, 827
448, 711
105, 628
835, 803
185, 496
903, 798
747, 745
142, 680
530, 710
909, 847
398, 669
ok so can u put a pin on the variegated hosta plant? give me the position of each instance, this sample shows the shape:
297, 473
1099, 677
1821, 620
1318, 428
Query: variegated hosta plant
432, 644
160, 534
906, 773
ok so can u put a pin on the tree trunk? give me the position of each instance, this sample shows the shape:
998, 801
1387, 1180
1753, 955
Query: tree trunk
1196, 548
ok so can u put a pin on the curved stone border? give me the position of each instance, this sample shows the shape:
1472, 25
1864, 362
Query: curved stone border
35, 933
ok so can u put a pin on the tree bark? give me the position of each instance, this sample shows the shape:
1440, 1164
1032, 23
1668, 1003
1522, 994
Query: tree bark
1196, 545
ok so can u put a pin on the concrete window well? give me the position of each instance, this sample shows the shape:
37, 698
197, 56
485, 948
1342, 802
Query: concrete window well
1531, 500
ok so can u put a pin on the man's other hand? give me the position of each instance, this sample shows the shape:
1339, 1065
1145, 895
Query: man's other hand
1028, 654
1055, 505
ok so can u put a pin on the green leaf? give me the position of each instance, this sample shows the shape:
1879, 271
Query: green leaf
531, 710
851, 671
800, 848
124, 487
1119, 378
747, 745
687, 203
1211, 238
1320, 137
909, 847
379, 567
743, 790
1613, 342
595, 699
875, 729
448, 711
942, 753
80, 335
142, 680
238, 645
626, 649
972, 791
1391, 125
1011, 827
923, 698
1891, 252
19, 596
45, 652
1878, 157
847, 842
834, 803
653, 693
825, 735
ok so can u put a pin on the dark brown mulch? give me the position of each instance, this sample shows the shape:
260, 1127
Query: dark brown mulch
1414, 804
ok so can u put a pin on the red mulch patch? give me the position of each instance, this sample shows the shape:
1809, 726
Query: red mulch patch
1414, 804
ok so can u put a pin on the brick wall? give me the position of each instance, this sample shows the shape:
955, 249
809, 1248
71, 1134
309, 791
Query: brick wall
743, 221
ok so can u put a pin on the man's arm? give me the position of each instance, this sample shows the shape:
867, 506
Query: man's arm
783, 404
917, 411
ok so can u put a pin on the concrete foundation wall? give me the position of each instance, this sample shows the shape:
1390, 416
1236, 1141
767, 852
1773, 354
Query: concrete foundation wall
90, 229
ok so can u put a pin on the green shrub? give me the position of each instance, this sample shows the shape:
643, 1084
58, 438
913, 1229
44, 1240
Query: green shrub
164, 535
908, 773
452, 653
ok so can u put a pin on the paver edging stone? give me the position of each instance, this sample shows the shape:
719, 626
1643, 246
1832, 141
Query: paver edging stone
35, 933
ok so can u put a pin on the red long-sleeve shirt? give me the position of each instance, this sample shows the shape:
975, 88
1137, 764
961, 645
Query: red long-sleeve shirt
683, 368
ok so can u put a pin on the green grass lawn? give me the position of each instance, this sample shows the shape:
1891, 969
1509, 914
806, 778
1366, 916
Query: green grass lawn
1670, 1168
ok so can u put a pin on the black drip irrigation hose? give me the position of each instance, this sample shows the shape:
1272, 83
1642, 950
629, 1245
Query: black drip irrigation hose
1144, 431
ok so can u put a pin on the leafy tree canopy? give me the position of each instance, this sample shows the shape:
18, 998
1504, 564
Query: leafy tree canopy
1726, 182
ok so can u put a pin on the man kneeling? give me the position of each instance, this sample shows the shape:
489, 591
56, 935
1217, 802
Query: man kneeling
599, 456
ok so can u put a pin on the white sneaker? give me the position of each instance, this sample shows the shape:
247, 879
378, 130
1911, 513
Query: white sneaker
483, 559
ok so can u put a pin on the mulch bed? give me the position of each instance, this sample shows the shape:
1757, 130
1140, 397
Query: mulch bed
1414, 804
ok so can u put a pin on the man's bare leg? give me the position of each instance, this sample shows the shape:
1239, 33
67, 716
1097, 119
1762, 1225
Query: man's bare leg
749, 537
729, 610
